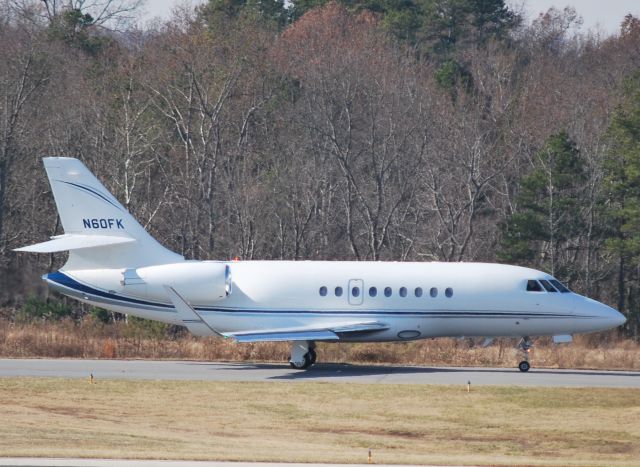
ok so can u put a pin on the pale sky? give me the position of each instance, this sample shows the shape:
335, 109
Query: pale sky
162, 8
604, 14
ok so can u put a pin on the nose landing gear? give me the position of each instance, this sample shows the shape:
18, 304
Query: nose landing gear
524, 365
525, 345
303, 355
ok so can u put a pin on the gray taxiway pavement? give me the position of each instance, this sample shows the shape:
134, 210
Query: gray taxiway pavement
327, 372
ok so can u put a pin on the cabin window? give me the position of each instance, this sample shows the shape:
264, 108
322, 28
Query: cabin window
338, 291
387, 291
560, 286
533, 286
548, 287
373, 291
403, 291
323, 291
418, 292
433, 292
448, 292
355, 291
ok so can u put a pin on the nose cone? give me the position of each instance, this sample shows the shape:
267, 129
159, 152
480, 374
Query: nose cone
617, 318
600, 315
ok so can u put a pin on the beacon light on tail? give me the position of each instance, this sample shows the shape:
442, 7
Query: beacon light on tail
115, 264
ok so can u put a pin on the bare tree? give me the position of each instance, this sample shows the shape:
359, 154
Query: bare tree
23, 75
110, 14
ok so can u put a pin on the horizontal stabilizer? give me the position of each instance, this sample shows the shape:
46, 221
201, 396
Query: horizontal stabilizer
327, 333
188, 315
70, 242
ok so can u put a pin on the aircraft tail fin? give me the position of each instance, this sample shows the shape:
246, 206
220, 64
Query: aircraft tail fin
99, 231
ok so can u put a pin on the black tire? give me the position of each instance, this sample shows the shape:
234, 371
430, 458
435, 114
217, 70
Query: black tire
524, 366
308, 361
312, 356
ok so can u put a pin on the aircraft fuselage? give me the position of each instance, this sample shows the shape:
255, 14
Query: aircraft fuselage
414, 300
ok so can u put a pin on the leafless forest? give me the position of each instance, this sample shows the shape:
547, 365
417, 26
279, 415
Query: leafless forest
326, 130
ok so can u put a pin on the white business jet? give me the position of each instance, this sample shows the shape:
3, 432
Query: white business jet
115, 264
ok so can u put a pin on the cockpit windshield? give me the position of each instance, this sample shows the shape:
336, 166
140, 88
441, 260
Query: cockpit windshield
533, 286
560, 286
551, 285
547, 286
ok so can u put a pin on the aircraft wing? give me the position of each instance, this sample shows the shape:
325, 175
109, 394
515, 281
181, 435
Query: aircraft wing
190, 318
198, 326
326, 333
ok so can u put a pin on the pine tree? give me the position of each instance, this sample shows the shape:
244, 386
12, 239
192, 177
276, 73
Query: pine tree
549, 217
622, 203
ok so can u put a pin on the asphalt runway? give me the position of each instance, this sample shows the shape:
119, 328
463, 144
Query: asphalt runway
323, 372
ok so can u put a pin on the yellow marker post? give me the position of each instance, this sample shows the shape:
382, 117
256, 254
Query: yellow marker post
370, 458
91, 381
468, 386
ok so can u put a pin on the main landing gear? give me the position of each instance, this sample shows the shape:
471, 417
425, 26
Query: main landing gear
525, 345
303, 355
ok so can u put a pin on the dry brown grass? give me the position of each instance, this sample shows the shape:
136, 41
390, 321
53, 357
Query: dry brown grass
89, 339
319, 422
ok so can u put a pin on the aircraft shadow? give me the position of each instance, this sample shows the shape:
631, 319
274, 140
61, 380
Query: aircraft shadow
345, 370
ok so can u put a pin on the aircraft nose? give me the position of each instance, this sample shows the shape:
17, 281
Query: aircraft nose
617, 318
602, 317
608, 316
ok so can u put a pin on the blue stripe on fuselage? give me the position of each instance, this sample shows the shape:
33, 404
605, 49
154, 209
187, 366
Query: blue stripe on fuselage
62, 279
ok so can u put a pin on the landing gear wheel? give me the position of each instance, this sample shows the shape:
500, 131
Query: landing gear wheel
303, 355
309, 359
525, 345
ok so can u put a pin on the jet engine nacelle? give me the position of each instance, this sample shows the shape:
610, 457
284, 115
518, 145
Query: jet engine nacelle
203, 282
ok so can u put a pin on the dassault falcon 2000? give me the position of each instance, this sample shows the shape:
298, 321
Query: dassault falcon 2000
115, 264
